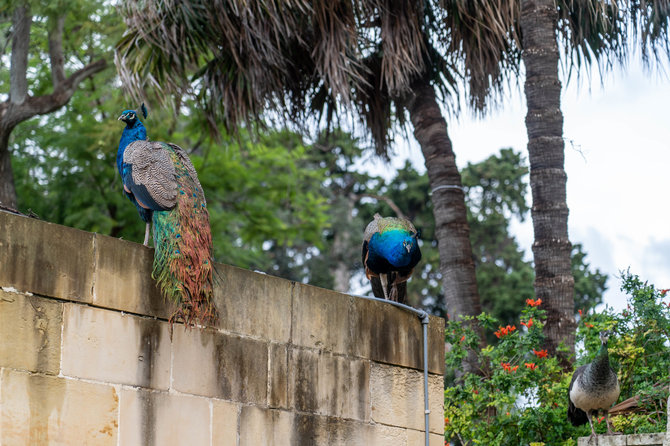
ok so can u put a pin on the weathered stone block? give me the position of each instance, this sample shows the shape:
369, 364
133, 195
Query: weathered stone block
108, 346
157, 418
223, 366
123, 278
310, 430
45, 258
387, 334
418, 438
278, 376
33, 324
398, 398
645, 439
329, 385
316, 313
604, 440
253, 304
225, 417
383, 435
349, 432
46, 410
265, 427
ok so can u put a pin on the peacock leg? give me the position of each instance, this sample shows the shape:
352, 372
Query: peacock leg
146, 235
383, 278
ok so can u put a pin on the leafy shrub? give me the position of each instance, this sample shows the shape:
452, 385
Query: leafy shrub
520, 397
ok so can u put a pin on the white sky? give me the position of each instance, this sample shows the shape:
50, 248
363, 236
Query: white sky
617, 158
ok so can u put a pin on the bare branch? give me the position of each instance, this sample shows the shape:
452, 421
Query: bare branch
18, 84
386, 200
56, 52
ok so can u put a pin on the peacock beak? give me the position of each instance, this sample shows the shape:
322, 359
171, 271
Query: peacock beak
121, 117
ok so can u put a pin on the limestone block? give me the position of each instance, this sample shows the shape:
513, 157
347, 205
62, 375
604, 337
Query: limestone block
33, 324
645, 439
253, 304
158, 418
120, 348
397, 396
278, 376
604, 440
331, 385
388, 334
418, 438
218, 365
265, 427
46, 410
384, 435
225, 417
310, 430
123, 278
316, 314
349, 432
45, 258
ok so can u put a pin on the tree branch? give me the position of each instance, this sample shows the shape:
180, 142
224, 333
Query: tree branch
18, 83
56, 52
386, 200
40, 105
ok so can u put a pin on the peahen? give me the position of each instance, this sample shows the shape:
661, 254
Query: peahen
161, 182
593, 387
390, 253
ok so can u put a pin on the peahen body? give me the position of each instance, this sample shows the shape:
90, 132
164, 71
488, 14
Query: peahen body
161, 182
593, 387
390, 253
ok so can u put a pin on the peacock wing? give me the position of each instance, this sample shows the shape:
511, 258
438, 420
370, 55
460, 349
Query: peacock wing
149, 174
186, 161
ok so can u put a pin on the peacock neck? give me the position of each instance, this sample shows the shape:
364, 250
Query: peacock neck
602, 361
134, 131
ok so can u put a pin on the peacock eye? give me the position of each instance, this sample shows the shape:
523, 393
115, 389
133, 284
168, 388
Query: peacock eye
131, 115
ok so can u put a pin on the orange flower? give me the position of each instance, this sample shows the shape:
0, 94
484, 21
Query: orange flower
462, 338
446, 420
530, 365
528, 324
508, 367
502, 331
534, 303
664, 292
580, 312
588, 325
540, 353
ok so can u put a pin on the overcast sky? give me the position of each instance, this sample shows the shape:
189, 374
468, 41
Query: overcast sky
617, 158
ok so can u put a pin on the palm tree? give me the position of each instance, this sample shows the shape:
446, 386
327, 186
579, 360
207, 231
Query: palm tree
316, 61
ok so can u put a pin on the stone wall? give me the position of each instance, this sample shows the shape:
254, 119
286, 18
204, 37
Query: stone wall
87, 357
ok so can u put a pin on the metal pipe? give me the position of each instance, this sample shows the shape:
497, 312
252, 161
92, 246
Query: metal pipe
425, 319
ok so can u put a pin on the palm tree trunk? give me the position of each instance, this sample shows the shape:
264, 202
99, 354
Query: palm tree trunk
554, 283
451, 226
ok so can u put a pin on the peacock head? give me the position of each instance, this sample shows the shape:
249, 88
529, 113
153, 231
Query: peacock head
604, 336
130, 117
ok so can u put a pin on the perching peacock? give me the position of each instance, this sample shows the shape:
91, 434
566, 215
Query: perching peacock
593, 387
390, 253
161, 182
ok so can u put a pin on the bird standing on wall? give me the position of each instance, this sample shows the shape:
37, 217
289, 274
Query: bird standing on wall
593, 387
161, 182
390, 253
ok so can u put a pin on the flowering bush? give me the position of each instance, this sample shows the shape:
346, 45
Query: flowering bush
520, 394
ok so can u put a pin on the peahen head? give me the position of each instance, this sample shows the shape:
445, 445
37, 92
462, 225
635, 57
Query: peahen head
604, 336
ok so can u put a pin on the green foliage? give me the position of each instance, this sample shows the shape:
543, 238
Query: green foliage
521, 397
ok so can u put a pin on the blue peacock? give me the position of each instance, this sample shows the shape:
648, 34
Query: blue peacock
390, 253
159, 179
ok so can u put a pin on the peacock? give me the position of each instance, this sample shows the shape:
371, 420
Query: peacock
593, 387
161, 182
390, 253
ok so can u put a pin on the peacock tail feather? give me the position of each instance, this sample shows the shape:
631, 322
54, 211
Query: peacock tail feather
183, 249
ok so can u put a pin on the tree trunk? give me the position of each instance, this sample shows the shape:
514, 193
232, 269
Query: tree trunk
451, 226
7, 190
554, 283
